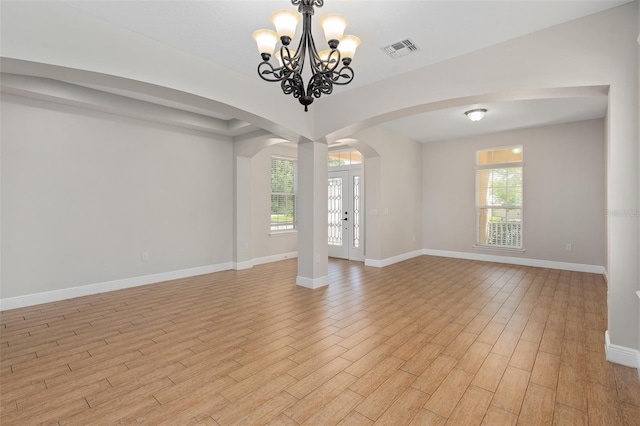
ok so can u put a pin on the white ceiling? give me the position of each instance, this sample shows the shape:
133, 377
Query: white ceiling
451, 123
220, 31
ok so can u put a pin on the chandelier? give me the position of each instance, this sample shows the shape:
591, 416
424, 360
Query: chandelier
328, 67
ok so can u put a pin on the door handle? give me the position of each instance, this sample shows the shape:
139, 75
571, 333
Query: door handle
346, 218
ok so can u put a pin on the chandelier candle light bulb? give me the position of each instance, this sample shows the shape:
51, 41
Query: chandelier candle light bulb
328, 67
333, 26
266, 40
348, 46
285, 21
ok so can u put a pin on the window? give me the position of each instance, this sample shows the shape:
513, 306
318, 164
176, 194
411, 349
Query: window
283, 194
499, 198
344, 158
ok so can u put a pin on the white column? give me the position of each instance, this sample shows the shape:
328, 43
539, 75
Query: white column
623, 344
312, 214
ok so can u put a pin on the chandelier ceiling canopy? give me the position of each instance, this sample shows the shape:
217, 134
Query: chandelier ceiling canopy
327, 67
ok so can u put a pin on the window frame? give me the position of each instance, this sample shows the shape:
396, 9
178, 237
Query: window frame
276, 228
479, 207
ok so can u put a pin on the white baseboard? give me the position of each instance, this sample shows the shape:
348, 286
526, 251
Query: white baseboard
274, 258
87, 290
238, 266
266, 259
391, 260
312, 283
549, 264
620, 354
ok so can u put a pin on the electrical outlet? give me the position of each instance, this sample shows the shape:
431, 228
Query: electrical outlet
145, 256
567, 247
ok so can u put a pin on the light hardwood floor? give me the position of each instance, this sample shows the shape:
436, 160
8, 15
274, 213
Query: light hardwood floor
426, 341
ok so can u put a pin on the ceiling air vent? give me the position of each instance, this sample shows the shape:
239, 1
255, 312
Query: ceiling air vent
401, 48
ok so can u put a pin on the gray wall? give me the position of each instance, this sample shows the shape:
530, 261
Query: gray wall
564, 192
397, 202
84, 194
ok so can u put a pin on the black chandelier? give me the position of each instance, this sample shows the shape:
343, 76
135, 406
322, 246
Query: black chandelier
325, 65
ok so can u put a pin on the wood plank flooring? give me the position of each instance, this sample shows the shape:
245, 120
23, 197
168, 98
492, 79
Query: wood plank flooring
428, 341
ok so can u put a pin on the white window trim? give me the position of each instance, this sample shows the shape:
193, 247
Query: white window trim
500, 166
346, 167
498, 248
283, 232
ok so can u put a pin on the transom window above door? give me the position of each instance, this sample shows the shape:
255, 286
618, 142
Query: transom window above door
345, 157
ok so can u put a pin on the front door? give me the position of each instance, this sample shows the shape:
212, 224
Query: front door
344, 220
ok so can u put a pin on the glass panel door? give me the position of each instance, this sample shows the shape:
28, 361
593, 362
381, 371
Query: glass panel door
338, 214
345, 225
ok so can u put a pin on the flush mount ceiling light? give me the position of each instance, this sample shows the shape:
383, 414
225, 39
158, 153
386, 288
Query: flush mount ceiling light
323, 65
476, 114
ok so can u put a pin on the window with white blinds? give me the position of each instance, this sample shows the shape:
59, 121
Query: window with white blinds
499, 188
283, 193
